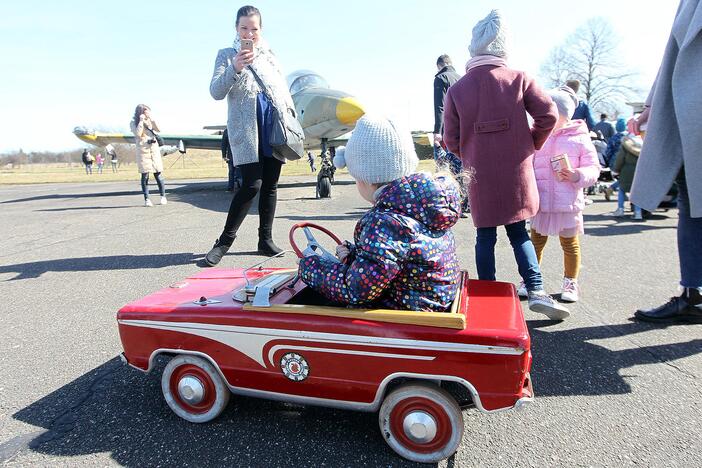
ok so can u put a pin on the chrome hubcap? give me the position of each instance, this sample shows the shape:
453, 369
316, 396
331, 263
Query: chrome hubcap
419, 427
191, 390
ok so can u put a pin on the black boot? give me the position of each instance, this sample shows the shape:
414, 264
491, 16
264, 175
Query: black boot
214, 256
685, 308
265, 243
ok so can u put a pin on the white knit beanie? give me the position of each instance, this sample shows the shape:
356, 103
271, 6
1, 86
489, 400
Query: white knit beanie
565, 101
489, 36
377, 151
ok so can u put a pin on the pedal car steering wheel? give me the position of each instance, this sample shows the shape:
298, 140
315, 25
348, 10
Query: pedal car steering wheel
313, 247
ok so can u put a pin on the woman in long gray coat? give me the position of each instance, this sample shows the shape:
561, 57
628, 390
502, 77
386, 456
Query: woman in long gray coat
671, 152
248, 126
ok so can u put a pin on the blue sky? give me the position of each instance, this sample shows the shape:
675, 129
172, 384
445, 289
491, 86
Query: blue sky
86, 63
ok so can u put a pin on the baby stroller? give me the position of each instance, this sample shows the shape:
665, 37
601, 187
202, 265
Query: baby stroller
605, 177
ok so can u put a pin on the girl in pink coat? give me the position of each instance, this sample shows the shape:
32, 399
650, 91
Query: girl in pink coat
561, 199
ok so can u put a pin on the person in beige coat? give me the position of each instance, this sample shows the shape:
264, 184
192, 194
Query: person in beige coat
148, 153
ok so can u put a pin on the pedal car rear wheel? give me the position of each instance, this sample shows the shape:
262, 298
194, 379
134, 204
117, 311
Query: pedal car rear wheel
194, 389
421, 422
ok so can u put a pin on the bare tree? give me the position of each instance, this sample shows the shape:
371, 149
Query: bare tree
591, 55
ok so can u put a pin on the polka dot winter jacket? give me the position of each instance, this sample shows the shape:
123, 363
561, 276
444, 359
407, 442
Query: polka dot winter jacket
404, 255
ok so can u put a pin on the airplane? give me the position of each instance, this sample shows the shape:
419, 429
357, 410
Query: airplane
327, 116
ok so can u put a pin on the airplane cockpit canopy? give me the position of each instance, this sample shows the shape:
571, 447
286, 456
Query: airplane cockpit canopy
304, 79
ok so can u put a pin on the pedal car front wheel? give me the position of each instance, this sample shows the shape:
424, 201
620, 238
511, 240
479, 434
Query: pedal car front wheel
193, 389
421, 422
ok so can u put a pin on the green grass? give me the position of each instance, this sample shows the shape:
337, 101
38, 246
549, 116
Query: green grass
197, 164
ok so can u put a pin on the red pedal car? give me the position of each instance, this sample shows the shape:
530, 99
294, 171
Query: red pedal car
262, 332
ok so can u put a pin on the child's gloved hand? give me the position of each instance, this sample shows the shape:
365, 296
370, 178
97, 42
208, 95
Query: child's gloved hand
343, 250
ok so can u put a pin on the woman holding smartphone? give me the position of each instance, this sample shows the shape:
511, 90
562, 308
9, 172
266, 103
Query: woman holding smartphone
148, 153
248, 126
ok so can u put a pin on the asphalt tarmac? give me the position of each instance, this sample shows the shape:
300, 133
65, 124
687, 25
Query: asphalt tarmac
610, 391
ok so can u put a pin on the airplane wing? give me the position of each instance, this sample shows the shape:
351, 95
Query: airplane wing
213, 142
420, 137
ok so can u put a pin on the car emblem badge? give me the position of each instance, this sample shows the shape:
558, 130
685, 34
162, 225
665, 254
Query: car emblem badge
294, 367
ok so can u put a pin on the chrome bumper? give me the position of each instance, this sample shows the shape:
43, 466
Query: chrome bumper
528, 397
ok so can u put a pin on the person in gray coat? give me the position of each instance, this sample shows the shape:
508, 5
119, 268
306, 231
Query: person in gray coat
249, 123
671, 152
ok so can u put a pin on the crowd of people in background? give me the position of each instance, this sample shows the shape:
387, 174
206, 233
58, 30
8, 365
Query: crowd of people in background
87, 159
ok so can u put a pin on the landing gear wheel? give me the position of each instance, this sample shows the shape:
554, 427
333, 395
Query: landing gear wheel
324, 188
421, 422
194, 389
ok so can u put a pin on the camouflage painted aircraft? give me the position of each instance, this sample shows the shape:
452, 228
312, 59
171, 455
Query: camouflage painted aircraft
326, 115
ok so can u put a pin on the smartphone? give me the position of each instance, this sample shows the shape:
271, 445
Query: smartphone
247, 44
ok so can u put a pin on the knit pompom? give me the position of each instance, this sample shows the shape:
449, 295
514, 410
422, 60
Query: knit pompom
339, 159
489, 36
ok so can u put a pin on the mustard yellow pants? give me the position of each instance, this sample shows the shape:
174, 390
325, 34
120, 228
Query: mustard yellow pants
571, 252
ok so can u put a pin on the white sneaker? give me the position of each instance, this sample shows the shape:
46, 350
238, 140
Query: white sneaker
618, 213
521, 290
147, 202
570, 292
542, 303
588, 201
637, 217
164, 201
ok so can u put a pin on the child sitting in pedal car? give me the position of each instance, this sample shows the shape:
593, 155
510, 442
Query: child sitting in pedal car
404, 255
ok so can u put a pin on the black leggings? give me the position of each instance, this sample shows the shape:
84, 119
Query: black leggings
145, 184
257, 177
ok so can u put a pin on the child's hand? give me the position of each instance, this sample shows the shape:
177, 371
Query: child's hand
568, 174
343, 251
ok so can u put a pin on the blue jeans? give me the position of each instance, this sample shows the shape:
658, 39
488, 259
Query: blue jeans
524, 253
689, 239
145, 184
622, 197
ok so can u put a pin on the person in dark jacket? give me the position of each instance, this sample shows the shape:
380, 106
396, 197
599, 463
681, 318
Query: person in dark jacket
445, 77
87, 159
404, 254
582, 110
625, 166
234, 173
605, 128
615, 142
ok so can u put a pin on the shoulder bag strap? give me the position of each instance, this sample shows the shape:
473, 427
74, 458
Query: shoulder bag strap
264, 88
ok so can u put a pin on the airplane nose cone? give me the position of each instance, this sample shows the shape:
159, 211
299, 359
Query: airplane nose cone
348, 111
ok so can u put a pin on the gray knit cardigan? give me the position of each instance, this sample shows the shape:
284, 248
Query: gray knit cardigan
240, 89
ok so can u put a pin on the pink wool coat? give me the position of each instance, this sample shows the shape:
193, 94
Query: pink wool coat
485, 123
564, 196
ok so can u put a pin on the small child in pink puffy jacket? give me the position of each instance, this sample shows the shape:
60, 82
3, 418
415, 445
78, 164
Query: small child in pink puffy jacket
561, 199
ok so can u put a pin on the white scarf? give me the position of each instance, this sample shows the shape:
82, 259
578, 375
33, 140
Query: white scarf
268, 69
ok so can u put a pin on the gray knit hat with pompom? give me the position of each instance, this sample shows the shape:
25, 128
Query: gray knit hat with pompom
377, 151
489, 36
